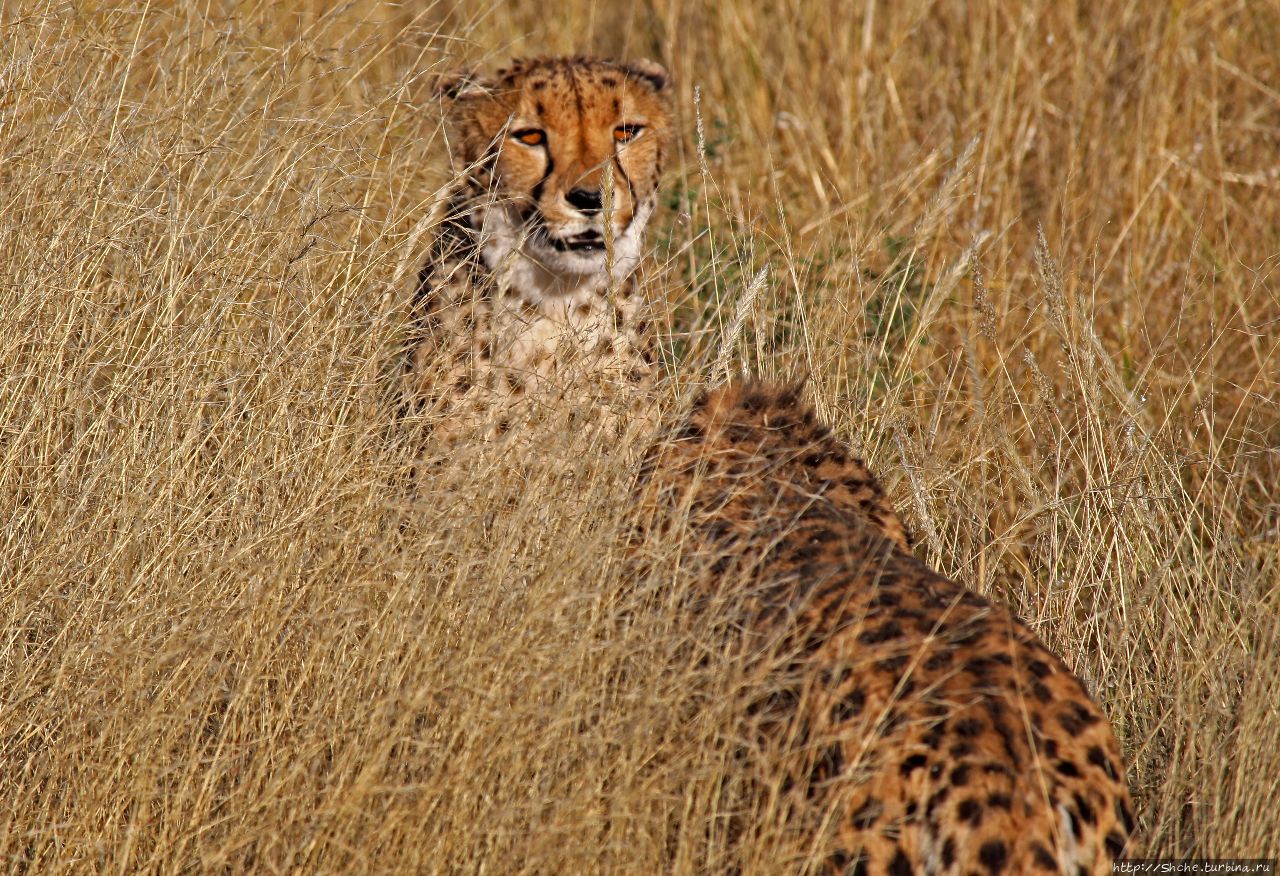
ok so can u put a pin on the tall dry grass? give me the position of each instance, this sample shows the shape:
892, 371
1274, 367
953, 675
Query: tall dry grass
1026, 252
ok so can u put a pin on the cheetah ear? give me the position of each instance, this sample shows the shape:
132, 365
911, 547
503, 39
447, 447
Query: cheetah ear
459, 86
650, 71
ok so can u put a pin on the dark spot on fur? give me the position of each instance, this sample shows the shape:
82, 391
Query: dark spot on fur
825, 535
913, 763
1125, 814
781, 701
891, 722
886, 599
885, 633
949, 852
1087, 815
1100, 760
1068, 769
1114, 843
979, 667
830, 765
1044, 858
868, 814
960, 749
1007, 739
807, 552
993, 855
968, 727
970, 811
1000, 801
850, 706
1039, 668
1041, 692
841, 861
910, 614
960, 775
939, 660
900, 866
689, 432
888, 579
836, 677
893, 665
1086, 715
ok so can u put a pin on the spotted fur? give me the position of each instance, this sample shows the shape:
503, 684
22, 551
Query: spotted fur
529, 289
920, 728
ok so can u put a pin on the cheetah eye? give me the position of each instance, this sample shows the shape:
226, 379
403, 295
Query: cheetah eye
530, 136
627, 133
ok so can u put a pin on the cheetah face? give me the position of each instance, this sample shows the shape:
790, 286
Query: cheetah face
560, 146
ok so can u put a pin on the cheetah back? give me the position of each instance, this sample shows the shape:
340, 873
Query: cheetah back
921, 727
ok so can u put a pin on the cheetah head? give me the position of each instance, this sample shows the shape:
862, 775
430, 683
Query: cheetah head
559, 147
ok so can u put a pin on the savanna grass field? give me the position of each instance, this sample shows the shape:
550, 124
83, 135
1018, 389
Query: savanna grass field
1027, 255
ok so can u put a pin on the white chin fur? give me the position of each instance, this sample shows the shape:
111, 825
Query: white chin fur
537, 267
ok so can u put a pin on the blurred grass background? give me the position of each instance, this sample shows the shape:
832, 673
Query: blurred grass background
1026, 252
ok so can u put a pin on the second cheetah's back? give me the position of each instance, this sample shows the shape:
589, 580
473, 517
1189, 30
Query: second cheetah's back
917, 726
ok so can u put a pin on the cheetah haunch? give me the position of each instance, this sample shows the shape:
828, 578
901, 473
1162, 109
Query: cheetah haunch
529, 288
921, 728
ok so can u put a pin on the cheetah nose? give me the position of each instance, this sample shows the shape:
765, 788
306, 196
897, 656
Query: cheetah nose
584, 200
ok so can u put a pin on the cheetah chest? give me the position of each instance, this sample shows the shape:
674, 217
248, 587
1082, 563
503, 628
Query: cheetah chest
494, 349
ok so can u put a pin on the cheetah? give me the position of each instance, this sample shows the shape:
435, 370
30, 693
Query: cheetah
529, 290
920, 728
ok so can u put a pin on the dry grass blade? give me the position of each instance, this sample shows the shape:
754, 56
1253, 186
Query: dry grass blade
242, 630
